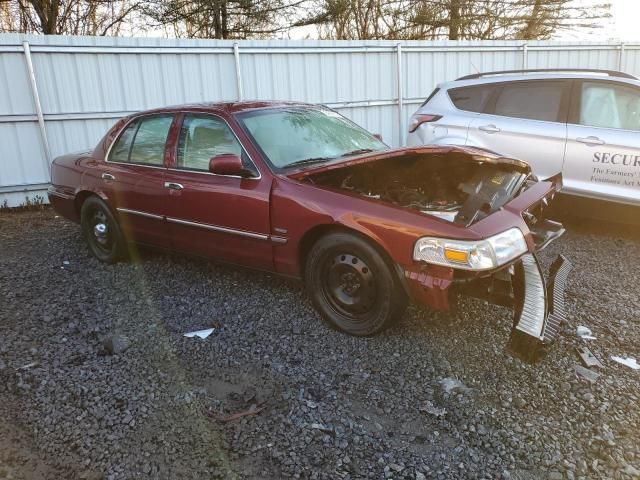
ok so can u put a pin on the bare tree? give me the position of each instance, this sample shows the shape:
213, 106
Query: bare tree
223, 18
74, 17
452, 19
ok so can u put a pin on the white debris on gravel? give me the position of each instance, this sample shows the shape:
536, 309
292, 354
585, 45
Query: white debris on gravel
585, 333
628, 361
453, 385
200, 333
431, 409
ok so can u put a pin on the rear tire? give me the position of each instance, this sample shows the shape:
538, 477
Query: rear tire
101, 230
352, 286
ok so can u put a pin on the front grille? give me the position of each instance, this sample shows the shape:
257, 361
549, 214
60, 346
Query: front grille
555, 290
534, 307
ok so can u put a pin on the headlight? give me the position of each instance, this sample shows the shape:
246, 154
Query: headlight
472, 255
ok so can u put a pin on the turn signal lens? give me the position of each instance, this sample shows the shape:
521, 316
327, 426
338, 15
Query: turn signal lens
418, 120
456, 256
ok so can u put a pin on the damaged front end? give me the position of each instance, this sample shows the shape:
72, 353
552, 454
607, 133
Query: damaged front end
488, 225
537, 302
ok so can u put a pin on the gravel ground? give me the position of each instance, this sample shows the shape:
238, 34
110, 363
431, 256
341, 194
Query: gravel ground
320, 404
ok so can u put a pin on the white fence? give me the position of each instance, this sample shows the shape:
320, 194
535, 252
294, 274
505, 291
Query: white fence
60, 94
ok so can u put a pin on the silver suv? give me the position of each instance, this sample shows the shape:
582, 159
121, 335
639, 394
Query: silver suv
584, 123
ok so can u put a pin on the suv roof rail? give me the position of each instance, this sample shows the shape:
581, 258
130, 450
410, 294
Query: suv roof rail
611, 73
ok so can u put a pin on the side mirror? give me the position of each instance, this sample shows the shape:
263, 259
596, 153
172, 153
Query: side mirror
227, 164
378, 136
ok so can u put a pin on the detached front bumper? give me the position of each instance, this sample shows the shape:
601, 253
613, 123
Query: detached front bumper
539, 306
538, 303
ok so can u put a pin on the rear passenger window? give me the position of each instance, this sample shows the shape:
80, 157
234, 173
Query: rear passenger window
529, 100
471, 99
148, 144
143, 141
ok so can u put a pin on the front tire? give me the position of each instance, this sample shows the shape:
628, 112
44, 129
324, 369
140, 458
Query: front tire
352, 286
102, 231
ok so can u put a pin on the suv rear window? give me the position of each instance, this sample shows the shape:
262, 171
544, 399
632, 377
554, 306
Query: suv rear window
530, 100
471, 99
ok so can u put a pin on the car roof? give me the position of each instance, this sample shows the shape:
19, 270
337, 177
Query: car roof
498, 77
228, 107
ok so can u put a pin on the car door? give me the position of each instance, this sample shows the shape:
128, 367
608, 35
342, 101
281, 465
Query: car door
603, 147
526, 120
221, 216
133, 178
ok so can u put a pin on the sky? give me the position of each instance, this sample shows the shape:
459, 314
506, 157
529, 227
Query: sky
626, 20
624, 24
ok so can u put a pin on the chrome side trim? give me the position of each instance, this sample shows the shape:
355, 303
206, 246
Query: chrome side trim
139, 213
278, 240
215, 228
60, 194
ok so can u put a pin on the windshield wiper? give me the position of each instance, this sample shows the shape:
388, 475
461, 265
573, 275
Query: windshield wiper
357, 152
308, 161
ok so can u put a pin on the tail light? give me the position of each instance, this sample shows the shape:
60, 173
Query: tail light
418, 120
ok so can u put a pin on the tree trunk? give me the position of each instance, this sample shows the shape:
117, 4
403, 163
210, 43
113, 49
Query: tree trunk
454, 19
530, 31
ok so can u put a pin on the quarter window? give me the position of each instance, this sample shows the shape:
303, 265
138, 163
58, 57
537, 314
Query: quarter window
122, 147
204, 137
609, 106
470, 99
529, 100
143, 141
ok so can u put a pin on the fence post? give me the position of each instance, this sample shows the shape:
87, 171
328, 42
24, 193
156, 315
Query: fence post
400, 97
525, 56
36, 101
236, 57
621, 57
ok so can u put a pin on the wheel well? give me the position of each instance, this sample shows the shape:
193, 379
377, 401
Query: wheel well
313, 235
81, 197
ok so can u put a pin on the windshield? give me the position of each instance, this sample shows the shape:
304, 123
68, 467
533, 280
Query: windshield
296, 136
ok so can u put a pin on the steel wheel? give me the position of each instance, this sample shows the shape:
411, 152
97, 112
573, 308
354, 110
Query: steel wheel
101, 230
349, 285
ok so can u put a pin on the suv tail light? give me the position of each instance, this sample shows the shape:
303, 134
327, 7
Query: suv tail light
418, 120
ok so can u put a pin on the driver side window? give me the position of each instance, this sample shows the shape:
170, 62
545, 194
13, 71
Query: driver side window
607, 105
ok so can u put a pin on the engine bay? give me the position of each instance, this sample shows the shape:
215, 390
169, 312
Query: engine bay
456, 187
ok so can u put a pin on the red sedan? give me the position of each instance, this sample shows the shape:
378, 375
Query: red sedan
299, 190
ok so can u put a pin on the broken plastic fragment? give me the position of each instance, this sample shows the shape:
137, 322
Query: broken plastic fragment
451, 384
431, 409
588, 358
629, 362
200, 333
587, 374
585, 333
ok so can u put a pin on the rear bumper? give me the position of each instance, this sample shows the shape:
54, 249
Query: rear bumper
63, 202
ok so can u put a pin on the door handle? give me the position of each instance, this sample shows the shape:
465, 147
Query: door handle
590, 140
108, 176
173, 185
489, 128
